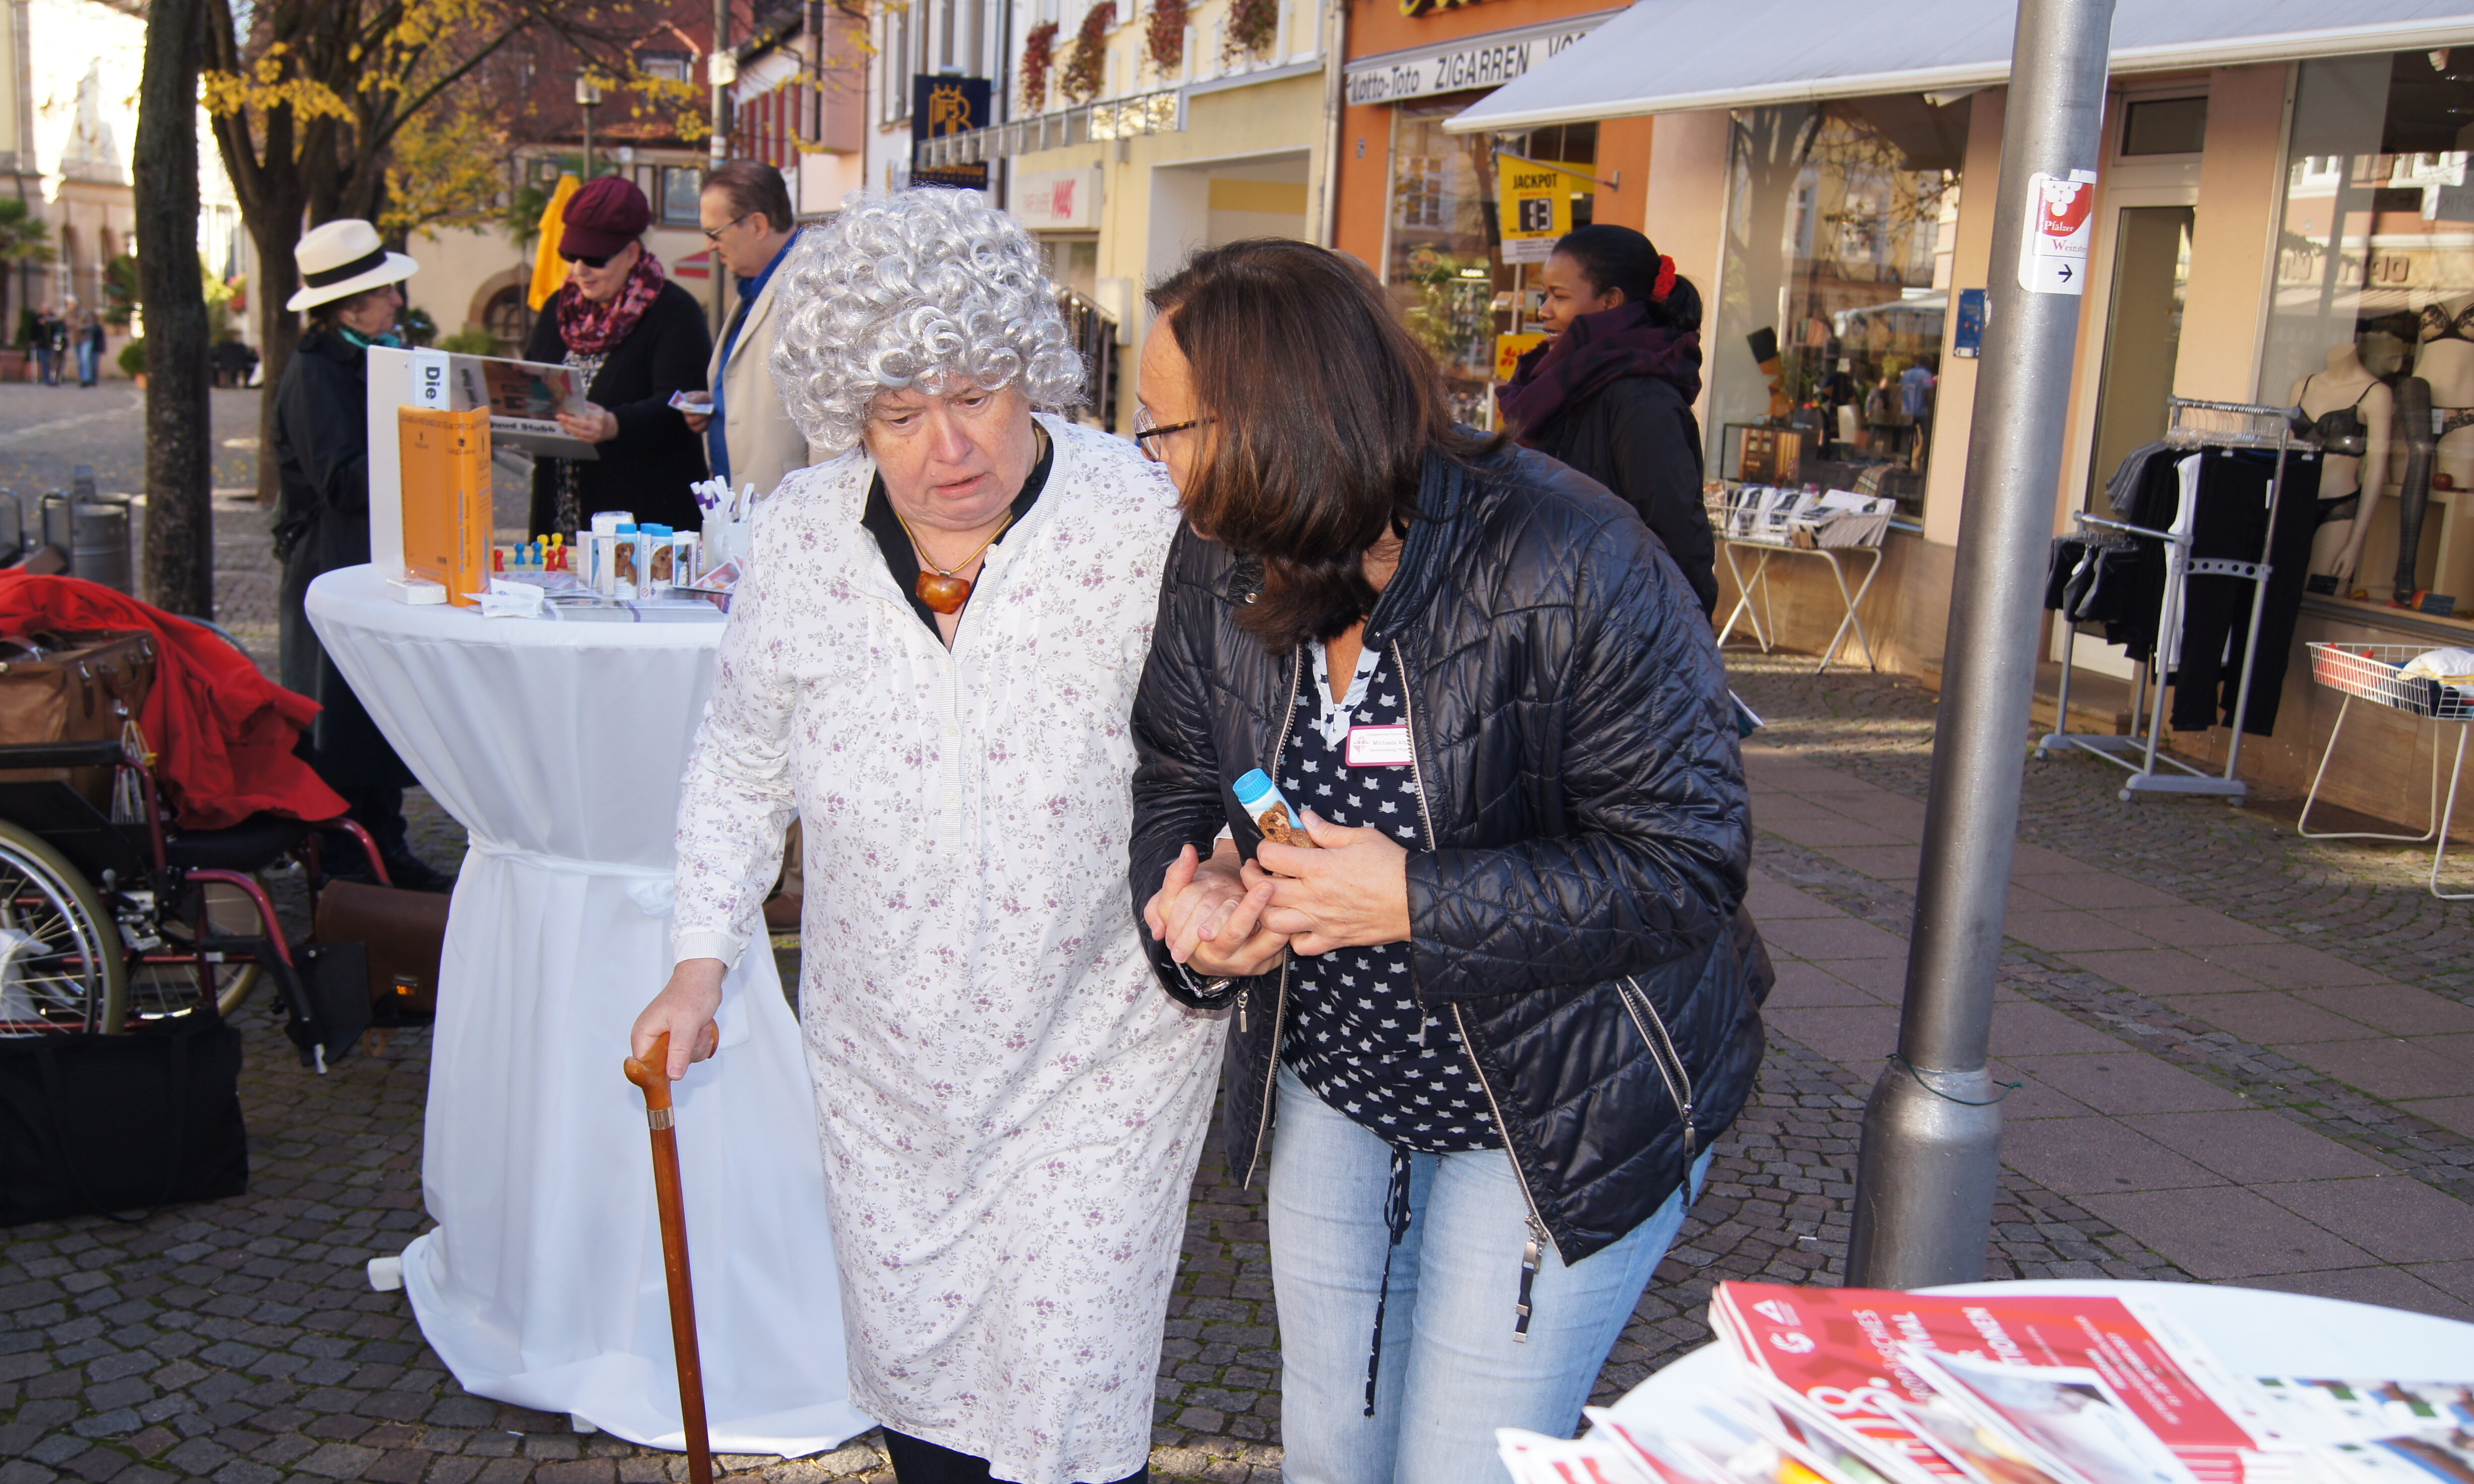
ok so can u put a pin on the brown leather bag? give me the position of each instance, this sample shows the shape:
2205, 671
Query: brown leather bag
404, 934
76, 687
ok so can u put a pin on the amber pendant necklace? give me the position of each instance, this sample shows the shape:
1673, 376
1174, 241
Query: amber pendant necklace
938, 586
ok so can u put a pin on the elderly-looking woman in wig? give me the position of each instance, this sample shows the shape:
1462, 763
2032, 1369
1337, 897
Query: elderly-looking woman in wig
932, 660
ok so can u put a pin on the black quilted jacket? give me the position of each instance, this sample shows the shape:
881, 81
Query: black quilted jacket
1578, 920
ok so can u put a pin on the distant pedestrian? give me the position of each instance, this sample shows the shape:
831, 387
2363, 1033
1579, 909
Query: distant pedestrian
50, 333
1611, 394
639, 339
88, 339
749, 438
322, 450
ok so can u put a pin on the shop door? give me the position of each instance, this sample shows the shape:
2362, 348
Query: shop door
2143, 333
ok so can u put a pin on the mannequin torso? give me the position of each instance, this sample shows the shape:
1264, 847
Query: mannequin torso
2346, 382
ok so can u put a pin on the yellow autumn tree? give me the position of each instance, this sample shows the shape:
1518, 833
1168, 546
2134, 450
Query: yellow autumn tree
310, 101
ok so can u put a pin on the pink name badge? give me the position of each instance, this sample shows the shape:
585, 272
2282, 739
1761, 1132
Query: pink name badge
1379, 746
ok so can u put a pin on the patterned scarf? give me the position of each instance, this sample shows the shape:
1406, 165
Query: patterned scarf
1593, 351
593, 328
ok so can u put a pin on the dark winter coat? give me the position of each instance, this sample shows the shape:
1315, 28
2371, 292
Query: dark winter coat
649, 467
1577, 755
322, 522
1639, 438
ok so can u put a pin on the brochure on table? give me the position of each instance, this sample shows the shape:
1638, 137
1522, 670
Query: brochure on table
1858, 1386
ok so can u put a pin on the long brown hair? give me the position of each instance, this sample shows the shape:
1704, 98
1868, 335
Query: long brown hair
1322, 412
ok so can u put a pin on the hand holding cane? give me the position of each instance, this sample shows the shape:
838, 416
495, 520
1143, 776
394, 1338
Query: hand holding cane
652, 1075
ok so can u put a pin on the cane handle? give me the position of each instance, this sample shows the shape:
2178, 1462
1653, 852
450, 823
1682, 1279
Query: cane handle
652, 1074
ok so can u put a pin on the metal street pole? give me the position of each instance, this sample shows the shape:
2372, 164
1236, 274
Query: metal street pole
1931, 1159
588, 96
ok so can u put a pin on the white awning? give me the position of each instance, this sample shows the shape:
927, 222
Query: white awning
1672, 56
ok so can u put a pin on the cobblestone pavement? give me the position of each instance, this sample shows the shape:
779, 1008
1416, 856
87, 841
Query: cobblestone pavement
239, 1340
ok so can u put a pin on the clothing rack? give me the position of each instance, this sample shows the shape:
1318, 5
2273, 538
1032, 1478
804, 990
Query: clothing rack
2195, 426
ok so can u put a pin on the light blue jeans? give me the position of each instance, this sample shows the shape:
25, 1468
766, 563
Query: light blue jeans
1452, 1373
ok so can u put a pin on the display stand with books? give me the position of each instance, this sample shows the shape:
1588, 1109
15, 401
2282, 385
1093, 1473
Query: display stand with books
2037, 1383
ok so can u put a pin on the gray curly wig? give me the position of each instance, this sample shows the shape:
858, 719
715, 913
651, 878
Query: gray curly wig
922, 289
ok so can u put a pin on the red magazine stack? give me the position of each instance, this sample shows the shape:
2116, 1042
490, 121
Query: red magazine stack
1838, 1348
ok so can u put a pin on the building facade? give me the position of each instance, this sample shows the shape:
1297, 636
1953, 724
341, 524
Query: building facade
2269, 208
1123, 138
1418, 204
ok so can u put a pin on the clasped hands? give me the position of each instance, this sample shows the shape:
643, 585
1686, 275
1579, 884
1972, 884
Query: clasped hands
1231, 916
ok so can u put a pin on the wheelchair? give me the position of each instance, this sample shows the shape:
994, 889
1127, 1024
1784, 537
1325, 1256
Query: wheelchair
111, 919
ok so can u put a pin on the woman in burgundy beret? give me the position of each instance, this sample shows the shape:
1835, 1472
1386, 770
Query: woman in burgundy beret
638, 339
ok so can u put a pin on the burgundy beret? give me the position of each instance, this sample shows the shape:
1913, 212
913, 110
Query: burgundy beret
603, 217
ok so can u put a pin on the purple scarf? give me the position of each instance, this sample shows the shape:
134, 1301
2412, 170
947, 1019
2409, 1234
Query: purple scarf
1593, 351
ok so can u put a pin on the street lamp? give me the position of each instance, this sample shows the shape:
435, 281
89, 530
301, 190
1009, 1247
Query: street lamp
588, 97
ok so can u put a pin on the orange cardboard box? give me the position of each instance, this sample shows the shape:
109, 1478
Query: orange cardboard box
447, 507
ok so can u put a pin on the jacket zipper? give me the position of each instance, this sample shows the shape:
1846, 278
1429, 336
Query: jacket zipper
1532, 1253
1662, 1052
1280, 999
1417, 785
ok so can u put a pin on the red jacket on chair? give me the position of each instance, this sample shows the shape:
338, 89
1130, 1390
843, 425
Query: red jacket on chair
223, 734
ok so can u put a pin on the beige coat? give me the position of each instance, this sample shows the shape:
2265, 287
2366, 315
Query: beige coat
763, 442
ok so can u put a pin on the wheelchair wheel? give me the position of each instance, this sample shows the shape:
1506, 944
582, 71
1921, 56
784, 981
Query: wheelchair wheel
157, 989
68, 971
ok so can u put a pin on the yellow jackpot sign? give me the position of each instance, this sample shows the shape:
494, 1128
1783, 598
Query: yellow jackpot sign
1534, 205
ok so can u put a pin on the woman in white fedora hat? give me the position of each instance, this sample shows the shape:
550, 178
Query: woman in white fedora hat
322, 450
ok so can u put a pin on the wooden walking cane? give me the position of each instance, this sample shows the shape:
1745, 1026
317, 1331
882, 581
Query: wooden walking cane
653, 1076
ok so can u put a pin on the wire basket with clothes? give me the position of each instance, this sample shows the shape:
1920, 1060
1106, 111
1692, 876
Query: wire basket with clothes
2428, 682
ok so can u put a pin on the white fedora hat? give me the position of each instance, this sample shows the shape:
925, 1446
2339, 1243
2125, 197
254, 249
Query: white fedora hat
343, 258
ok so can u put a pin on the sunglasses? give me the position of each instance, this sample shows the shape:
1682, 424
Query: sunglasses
603, 261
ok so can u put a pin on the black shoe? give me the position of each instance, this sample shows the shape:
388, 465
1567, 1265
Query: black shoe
413, 874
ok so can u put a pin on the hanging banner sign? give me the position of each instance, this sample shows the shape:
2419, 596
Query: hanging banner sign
1488, 60
2061, 217
1534, 205
942, 105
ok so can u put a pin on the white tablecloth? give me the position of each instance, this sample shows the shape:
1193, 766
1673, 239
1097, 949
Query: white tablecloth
2248, 1329
559, 747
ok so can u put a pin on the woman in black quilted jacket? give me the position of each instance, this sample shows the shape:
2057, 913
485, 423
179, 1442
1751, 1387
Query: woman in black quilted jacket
1500, 1006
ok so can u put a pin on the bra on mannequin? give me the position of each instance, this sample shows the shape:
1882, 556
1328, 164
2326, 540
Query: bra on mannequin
2341, 429
2438, 324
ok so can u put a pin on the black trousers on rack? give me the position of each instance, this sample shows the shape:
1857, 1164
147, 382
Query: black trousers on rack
2215, 619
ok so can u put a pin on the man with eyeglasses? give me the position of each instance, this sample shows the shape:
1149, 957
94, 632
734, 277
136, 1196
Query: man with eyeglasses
747, 217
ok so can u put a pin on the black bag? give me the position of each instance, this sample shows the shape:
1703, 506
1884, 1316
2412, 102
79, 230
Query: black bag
119, 1124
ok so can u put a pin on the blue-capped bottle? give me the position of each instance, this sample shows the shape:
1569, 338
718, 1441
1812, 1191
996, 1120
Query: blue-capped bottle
1272, 813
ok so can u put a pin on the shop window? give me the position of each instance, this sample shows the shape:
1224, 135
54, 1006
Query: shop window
1834, 293
681, 185
2164, 126
1444, 259
2374, 296
2376, 254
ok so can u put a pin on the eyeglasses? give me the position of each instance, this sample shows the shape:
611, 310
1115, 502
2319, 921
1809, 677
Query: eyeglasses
714, 233
580, 260
1145, 431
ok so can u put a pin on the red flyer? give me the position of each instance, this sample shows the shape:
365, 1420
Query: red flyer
1840, 1348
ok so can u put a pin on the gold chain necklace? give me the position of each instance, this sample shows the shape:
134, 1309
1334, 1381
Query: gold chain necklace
938, 586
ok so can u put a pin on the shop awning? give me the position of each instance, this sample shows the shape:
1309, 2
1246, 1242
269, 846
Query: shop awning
1671, 56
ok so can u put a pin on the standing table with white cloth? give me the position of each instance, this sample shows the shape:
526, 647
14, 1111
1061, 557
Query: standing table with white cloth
559, 747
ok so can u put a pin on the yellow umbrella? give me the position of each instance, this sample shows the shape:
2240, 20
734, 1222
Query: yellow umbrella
549, 270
